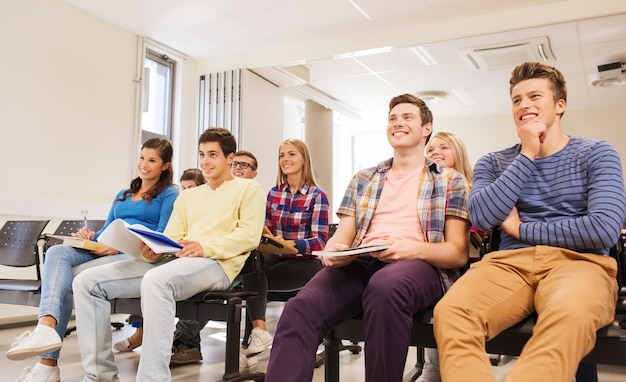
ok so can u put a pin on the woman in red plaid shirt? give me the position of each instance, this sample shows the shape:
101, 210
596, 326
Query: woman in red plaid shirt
297, 211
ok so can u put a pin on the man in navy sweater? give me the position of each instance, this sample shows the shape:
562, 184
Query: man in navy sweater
560, 203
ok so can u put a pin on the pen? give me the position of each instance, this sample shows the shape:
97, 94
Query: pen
85, 221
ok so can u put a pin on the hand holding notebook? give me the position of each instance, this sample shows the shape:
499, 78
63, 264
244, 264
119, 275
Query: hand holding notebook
275, 245
126, 238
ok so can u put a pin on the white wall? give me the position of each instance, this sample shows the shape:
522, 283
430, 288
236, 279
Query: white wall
262, 125
68, 140
67, 103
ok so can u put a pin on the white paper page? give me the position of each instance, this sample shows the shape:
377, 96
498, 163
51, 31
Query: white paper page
117, 236
352, 251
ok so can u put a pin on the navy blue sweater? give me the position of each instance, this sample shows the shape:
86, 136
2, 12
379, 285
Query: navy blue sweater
572, 199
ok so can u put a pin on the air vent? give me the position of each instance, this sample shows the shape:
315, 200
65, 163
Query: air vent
508, 55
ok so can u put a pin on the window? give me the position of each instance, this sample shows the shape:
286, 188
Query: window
158, 96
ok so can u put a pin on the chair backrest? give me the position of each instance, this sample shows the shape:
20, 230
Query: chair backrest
618, 251
491, 241
18, 242
67, 227
332, 228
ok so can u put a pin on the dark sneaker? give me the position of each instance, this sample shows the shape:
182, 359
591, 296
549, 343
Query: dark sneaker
183, 355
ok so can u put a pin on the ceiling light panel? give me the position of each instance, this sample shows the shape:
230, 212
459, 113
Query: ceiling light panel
423, 55
358, 8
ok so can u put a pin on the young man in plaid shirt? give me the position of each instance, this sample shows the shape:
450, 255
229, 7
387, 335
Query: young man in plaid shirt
412, 205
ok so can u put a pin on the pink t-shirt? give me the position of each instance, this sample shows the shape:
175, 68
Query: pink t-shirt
396, 215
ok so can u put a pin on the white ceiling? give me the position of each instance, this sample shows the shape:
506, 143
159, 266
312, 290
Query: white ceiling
274, 36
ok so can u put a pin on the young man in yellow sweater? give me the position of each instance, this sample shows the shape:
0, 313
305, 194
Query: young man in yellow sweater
218, 224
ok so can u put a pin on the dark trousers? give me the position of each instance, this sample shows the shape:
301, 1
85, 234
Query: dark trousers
388, 294
257, 305
188, 332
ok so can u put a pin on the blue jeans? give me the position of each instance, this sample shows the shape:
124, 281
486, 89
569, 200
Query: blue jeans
388, 294
61, 265
159, 285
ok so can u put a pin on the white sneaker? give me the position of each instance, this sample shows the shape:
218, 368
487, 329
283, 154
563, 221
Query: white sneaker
247, 365
259, 340
42, 340
40, 373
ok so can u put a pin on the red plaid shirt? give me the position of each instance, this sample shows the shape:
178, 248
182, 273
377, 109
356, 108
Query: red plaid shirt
301, 216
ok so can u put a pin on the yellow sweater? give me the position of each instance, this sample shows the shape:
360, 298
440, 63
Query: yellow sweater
227, 222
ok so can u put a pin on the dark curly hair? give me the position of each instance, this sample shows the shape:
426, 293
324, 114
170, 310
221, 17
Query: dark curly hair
165, 150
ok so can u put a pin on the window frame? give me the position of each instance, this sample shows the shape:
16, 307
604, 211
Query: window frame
165, 60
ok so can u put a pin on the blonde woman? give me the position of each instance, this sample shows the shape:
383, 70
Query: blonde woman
447, 150
297, 211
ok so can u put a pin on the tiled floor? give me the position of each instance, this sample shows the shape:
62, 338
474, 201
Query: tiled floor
212, 367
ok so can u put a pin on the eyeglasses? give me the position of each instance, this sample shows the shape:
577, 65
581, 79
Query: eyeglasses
242, 165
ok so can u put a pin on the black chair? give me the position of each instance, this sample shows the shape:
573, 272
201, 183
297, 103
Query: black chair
610, 348
217, 306
284, 281
67, 227
19, 248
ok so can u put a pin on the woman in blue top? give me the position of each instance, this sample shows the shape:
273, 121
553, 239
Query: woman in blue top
148, 201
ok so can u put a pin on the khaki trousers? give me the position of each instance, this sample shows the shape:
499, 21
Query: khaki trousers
573, 294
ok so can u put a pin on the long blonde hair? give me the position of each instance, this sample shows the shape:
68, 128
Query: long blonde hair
459, 152
307, 170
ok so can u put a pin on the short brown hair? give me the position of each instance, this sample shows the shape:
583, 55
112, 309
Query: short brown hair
193, 174
222, 136
246, 153
425, 114
530, 70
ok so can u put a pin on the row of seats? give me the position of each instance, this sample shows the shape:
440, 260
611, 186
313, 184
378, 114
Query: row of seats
20, 243
610, 348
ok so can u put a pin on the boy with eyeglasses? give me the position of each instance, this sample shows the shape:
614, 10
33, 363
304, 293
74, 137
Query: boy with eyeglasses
244, 165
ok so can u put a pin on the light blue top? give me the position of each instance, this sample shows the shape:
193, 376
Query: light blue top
153, 215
